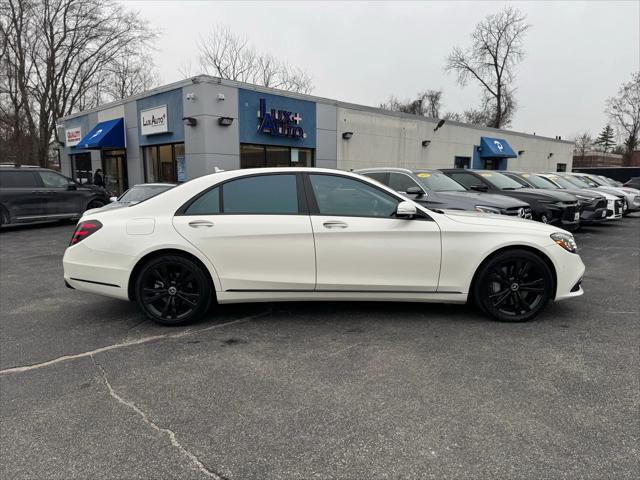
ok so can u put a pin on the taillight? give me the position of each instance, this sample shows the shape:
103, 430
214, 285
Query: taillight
85, 229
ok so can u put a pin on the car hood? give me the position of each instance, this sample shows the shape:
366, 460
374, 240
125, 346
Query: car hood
541, 194
481, 198
477, 218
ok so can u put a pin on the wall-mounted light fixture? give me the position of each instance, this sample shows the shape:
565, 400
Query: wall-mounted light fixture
520, 152
347, 135
221, 97
550, 155
440, 124
225, 121
190, 121
191, 96
426, 143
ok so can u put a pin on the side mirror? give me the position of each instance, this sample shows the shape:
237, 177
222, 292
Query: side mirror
406, 210
415, 191
113, 199
71, 186
479, 187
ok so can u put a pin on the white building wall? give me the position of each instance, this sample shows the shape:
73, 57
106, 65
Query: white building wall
390, 140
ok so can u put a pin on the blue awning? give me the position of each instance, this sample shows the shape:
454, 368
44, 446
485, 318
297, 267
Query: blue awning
109, 134
495, 148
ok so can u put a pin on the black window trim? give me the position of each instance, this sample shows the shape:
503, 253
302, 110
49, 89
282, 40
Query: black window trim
302, 203
314, 210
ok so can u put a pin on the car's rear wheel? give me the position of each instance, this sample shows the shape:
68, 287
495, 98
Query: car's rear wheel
513, 286
173, 290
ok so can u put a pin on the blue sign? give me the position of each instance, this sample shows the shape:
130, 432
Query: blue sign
109, 134
495, 148
279, 122
269, 119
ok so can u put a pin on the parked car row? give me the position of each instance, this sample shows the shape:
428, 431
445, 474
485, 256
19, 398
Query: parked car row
567, 200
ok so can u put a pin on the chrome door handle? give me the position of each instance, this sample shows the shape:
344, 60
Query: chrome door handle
334, 224
200, 223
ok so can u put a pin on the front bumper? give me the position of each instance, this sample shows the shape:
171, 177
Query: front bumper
598, 215
569, 272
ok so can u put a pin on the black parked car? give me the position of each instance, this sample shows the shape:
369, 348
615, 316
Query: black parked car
593, 205
31, 194
549, 206
434, 189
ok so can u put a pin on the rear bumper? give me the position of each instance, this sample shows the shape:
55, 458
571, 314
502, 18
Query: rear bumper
92, 271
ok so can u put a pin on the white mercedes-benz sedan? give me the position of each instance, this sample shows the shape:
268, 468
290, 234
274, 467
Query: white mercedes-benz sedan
307, 234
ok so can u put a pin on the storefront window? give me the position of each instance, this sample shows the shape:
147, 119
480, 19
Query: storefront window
164, 163
253, 156
81, 168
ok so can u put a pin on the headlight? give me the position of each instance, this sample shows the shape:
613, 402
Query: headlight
566, 241
485, 209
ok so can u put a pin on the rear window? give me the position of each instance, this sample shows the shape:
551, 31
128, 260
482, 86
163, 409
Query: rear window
17, 179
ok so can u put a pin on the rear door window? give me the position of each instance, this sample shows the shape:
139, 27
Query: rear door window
18, 179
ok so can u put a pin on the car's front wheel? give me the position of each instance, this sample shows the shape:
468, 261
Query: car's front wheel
173, 290
513, 286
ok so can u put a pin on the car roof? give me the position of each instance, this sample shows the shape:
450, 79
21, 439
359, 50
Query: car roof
155, 184
397, 169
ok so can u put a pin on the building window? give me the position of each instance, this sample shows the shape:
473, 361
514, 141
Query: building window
561, 167
255, 156
462, 162
81, 168
164, 163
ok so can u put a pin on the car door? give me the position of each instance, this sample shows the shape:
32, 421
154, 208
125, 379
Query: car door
61, 194
256, 231
361, 246
20, 193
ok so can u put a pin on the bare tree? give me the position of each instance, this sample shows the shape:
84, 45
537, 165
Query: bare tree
582, 144
427, 103
432, 101
228, 55
129, 75
56, 54
624, 111
496, 49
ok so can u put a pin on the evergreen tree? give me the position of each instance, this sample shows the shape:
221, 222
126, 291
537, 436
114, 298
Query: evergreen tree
606, 138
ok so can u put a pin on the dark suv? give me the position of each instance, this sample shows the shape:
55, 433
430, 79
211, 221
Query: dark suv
31, 194
434, 189
549, 206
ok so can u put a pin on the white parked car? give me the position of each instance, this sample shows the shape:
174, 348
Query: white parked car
631, 195
292, 234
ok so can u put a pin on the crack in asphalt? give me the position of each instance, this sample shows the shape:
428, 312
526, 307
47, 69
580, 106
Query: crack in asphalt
129, 343
145, 418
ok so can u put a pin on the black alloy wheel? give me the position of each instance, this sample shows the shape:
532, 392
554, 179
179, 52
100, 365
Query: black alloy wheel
173, 290
514, 286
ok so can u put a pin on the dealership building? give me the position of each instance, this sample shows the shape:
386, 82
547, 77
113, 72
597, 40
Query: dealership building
193, 127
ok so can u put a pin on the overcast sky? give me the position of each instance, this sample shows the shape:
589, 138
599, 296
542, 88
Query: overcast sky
578, 53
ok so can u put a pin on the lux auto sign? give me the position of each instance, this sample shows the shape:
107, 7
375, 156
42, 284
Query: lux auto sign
154, 120
281, 123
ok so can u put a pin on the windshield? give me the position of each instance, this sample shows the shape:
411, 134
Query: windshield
588, 180
610, 181
501, 181
439, 182
536, 181
576, 181
142, 192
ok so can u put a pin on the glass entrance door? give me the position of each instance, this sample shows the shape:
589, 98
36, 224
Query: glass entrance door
114, 167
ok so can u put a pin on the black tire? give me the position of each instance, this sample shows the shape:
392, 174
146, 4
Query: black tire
513, 286
173, 290
95, 204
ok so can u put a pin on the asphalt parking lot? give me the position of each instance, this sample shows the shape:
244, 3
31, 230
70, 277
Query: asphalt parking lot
91, 390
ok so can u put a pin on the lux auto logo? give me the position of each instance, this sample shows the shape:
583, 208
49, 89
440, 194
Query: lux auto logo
279, 122
499, 145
